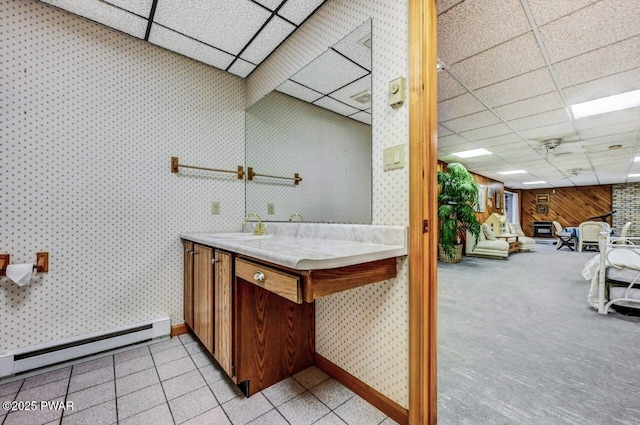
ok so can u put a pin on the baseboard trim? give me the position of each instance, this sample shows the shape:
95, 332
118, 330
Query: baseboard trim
179, 330
379, 400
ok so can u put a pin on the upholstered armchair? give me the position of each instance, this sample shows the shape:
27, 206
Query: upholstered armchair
525, 243
487, 244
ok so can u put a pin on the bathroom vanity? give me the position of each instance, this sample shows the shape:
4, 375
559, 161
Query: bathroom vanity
250, 299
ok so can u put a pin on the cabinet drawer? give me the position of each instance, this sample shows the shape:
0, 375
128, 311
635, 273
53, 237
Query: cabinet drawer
283, 284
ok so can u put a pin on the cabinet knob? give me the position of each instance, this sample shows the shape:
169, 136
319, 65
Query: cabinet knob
259, 276
214, 260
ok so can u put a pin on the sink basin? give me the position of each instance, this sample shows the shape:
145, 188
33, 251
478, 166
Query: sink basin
239, 236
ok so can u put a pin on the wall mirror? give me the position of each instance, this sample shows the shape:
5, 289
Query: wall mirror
316, 124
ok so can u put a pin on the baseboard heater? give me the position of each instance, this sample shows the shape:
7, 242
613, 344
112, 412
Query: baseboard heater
63, 350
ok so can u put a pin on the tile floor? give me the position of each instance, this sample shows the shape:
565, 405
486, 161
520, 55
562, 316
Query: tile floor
176, 382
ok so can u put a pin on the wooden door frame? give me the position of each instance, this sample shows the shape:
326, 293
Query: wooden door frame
423, 220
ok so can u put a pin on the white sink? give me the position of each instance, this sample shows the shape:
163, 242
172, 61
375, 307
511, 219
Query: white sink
239, 236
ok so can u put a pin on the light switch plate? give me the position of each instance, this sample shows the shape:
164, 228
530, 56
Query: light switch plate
393, 157
397, 93
215, 207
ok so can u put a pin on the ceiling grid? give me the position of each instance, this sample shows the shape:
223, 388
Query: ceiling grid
526, 62
232, 35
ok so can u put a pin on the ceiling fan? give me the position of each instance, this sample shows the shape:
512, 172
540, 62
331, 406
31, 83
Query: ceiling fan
573, 173
555, 147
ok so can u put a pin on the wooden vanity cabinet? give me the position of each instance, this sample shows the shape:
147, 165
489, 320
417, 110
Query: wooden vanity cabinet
223, 311
274, 330
258, 335
203, 295
208, 291
188, 282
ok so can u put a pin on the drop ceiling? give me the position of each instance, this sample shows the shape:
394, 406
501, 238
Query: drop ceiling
232, 35
511, 70
346, 88
237, 35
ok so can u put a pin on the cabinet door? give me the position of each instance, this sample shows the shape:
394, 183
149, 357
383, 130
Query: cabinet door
274, 337
188, 283
223, 313
203, 295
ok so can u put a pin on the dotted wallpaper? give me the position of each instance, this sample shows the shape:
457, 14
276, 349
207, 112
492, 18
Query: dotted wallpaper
90, 118
332, 154
366, 330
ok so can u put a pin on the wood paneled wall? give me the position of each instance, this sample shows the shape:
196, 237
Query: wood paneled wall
495, 186
570, 206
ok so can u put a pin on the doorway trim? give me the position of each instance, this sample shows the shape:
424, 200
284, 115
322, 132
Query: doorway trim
423, 220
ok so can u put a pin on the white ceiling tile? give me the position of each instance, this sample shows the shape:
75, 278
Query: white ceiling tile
502, 62
545, 11
270, 4
460, 148
540, 120
532, 106
458, 107
487, 132
296, 90
628, 151
474, 26
513, 150
351, 46
505, 139
595, 26
448, 87
521, 153
607, 86
444, 5
610, 159
139, 7
184, 45
297, 11
362, 117
357, 87
241, 68
518, 88
611, 59
611, 118
610, 139
608, 130
105, 14
335, 106
328, 72
549, 131
267, 40
215, 23
451, 140
612, 179
442, 131
469, 122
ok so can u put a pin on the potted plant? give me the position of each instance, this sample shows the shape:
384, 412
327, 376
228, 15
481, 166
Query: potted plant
458, 199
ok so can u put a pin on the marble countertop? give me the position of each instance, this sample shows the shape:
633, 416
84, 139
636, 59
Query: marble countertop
311, 246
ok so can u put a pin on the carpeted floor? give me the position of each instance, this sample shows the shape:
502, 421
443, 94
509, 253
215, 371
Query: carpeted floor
519, 344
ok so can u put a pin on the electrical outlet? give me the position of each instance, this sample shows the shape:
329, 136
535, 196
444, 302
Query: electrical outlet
215, 207
271, 209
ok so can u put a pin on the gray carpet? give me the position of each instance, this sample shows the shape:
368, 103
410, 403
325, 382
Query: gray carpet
519, 344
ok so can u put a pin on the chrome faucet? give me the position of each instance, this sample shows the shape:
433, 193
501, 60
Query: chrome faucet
292, 216
258, 229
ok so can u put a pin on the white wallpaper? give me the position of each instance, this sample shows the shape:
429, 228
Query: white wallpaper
90, 119
332, 154
365, 331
